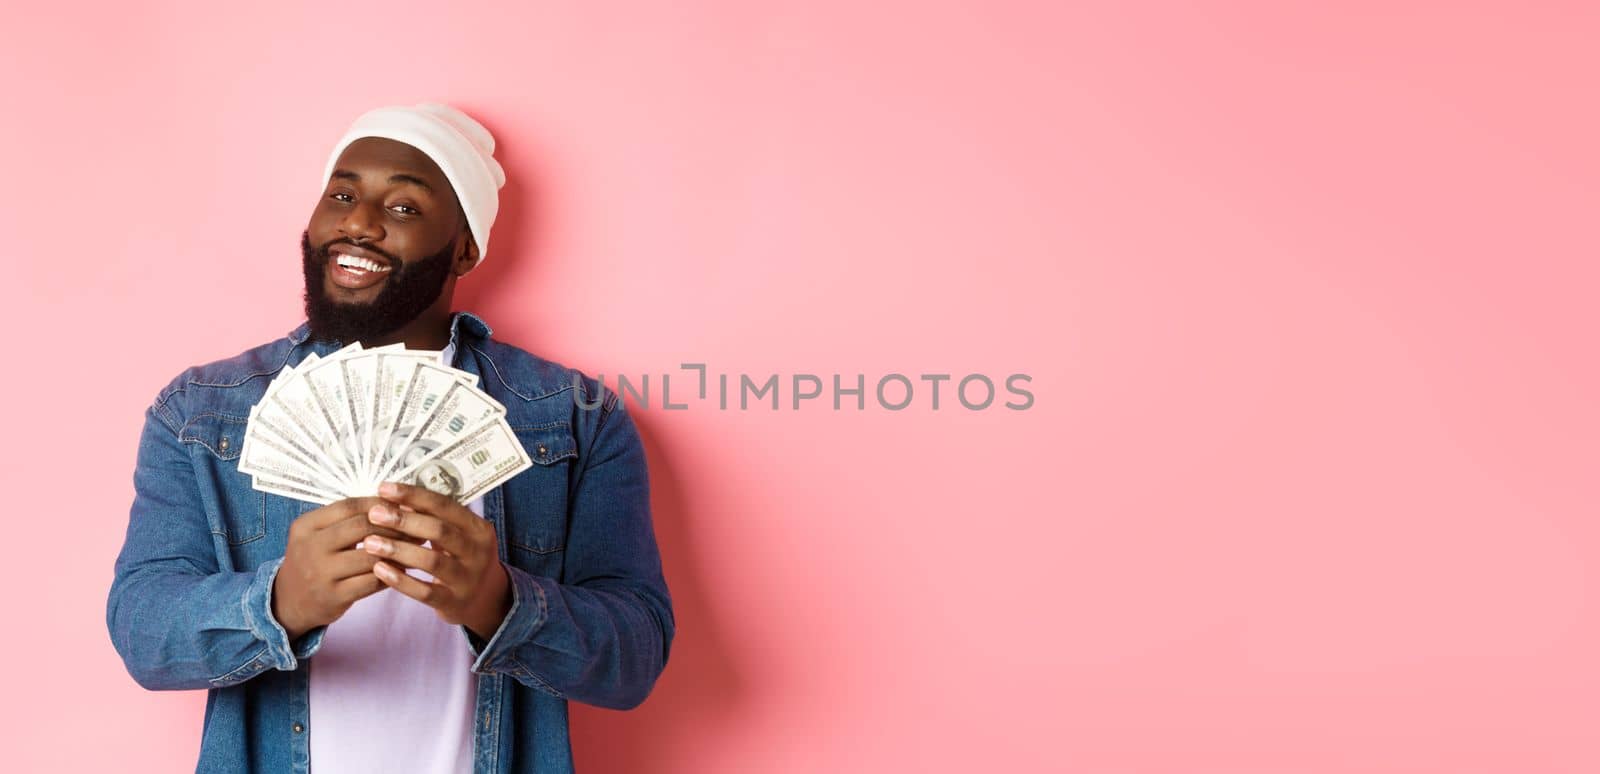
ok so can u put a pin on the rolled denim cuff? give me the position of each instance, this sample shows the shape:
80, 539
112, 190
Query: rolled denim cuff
282, 653
528, 612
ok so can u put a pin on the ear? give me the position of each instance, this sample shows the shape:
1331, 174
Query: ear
467, 257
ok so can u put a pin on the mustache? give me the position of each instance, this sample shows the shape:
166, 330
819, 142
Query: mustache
323, 255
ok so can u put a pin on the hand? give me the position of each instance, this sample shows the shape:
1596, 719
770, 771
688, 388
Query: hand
470, 586
322, 574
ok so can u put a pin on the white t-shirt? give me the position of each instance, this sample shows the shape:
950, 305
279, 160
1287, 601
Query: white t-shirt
392, 688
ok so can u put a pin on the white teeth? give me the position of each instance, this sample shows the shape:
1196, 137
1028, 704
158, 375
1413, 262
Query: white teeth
352, 262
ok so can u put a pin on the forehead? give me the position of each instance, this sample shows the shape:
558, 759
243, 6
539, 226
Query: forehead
377, 159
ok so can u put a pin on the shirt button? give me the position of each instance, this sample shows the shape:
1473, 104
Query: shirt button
299, 728
541, 449
223, 444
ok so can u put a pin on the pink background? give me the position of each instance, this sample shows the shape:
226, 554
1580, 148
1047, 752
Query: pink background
1306, 294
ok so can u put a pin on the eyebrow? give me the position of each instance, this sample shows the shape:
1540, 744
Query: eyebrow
400, 177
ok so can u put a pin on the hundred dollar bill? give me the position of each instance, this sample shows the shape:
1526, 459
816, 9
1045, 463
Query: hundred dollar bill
277, 487
296, 400
472, 464
436, 357
253, 425
267, 458
424, 390
327, 427
459, 411
358, 374
271, 414
284, 440
328, 389
392, 374
266, 419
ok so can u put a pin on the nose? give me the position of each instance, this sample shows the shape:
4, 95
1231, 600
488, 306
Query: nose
361, 224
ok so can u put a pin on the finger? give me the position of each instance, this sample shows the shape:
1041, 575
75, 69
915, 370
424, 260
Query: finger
333, 512
431, 594
424, 526
444, 568
349, 563
347, 533
427, 501
351, 590
314, 521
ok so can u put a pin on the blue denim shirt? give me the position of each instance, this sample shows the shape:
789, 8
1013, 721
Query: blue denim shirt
591, 620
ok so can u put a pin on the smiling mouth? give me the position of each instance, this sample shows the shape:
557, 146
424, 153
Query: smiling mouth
359, 264
355, 273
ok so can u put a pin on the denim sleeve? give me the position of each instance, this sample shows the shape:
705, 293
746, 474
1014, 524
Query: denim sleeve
176, 618
603, 636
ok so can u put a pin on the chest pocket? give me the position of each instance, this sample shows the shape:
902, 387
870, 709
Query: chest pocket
235, 510
536, 498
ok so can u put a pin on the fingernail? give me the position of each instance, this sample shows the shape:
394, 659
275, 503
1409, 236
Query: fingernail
377, 545
384, 571
382, 515
388, 489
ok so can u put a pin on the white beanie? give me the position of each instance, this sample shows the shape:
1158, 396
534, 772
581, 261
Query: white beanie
462, 148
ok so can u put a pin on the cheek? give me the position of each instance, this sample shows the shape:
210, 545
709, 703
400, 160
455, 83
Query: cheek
318, 235
324, 221
405, 241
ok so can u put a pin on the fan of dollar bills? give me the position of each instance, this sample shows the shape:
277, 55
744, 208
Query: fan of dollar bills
337, 426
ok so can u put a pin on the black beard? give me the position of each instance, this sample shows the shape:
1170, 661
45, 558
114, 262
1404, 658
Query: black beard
410, 289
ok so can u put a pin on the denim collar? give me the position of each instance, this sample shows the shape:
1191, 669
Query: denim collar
474, 326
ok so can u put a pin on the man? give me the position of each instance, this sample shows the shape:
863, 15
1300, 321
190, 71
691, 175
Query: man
405, 632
